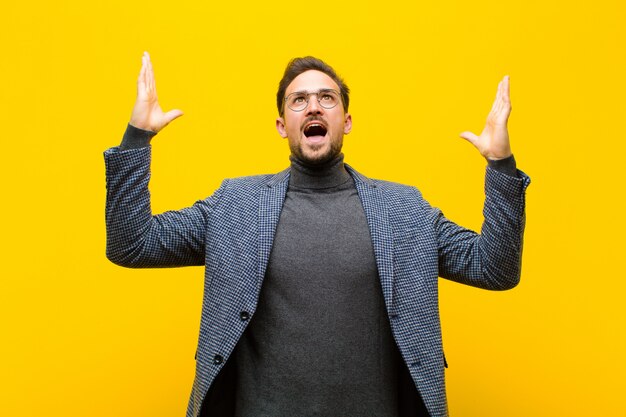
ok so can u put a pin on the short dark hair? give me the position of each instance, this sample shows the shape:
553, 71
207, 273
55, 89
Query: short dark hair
299, 65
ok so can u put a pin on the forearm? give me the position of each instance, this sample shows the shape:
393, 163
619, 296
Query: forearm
502, 232
128, 213
491, 259
136, 238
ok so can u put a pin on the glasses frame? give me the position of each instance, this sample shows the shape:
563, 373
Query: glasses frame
317, 94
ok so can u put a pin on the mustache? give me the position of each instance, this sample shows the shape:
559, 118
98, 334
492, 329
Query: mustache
314, 118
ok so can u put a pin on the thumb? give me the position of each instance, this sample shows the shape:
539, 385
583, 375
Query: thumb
470, 137
172, 115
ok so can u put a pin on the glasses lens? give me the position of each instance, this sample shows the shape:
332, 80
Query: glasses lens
328, 98
297, 101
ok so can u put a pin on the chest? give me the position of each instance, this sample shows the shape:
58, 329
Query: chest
323, 233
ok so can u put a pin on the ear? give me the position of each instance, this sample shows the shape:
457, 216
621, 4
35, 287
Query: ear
280, 126
347, 125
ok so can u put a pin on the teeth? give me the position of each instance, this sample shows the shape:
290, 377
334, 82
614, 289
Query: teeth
314, 125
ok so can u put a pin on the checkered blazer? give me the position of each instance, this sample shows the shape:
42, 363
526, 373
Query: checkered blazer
231, 233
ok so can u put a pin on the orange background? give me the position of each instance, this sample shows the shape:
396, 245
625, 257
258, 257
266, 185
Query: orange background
81, 336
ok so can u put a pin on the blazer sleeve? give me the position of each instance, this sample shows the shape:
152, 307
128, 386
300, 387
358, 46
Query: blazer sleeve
491, 259
135, 237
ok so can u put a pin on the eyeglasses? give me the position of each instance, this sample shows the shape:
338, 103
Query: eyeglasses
299, 100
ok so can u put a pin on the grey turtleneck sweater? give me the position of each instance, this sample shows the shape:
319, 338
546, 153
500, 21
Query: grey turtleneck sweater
319, 343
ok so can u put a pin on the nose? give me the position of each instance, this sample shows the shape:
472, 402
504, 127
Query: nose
314, 106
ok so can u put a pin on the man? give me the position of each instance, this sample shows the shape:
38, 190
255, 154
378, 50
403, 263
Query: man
320, 290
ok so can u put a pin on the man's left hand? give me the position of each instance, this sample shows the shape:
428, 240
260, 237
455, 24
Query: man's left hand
493, 142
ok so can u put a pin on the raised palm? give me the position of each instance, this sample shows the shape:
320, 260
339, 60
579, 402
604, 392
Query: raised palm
493, 142
147, 113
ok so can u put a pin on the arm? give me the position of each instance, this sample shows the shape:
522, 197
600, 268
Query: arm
136, 238
491, 260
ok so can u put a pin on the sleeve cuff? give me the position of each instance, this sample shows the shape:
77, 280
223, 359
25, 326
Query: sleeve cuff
135, 138
506, 166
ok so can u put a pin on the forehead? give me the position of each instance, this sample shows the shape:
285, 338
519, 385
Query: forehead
311, 80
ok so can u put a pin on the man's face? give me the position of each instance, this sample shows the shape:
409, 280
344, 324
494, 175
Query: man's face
315, 134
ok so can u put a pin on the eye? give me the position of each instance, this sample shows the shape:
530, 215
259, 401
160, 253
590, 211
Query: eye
298, 99
327, 97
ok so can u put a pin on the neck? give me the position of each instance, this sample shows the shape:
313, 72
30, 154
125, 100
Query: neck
326, 175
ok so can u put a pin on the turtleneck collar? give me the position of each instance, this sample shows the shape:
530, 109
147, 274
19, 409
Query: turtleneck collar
327, 175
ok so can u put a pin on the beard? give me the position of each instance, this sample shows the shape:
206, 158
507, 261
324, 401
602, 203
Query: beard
316, 155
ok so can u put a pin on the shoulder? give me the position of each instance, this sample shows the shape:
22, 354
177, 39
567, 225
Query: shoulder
395, 187
253, 184
390, 189
252, 181
404, 204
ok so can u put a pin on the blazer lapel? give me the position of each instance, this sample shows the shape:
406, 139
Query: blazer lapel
271, 201
377, 216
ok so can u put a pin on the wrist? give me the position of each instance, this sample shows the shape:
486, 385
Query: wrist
135, 137
499, 157
505, 165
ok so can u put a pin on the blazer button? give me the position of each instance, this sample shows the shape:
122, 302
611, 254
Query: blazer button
244, 315
218, 359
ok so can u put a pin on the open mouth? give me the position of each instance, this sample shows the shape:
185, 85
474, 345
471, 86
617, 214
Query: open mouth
315, 129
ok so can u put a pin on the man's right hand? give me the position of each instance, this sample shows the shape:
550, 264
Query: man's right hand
147, 113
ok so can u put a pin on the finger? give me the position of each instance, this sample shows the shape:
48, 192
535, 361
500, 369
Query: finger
495, 107
506, 89
141, 80
501, 91
504, 106
470, 137
172, 115
149, 73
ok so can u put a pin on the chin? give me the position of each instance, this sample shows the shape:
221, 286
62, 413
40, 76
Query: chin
316, 157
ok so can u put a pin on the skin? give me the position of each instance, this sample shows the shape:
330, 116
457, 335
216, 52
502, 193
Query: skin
147, 113
291, 126
493, 143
